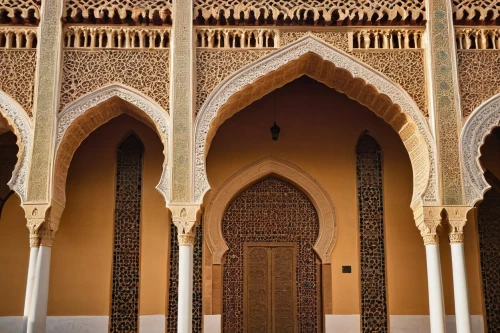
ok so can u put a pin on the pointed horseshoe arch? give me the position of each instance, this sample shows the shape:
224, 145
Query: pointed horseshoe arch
82, 117
318, 60
479, 125
251, 174
22, 126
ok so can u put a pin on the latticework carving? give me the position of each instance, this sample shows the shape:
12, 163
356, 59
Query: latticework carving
477, 72
308, 12
145, 71
406, 68
465, 11
237, 38
173, 286
215, 66
270, 211
124, 316
388, 39
371, 233
489, 240
339, 40
18, 38
17, 70
123, 11
478, 38
19, 11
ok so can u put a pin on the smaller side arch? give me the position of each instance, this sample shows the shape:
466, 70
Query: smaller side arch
479, 125
83, 116
21, 125
249, 175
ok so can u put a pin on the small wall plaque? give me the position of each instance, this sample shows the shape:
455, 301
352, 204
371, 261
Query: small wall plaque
346, 269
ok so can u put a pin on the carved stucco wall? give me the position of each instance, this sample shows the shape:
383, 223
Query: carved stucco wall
403, 67
17, 72
479, 80
145, 71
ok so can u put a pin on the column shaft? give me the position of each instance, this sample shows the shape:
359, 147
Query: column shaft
435, 282
29, 285
39, 301
185, 310
462, 312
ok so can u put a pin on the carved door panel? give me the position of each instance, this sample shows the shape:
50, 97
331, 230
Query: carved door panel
270, 297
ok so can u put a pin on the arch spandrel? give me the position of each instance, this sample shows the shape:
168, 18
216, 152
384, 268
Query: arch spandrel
478, 126
336, 69
251, 174
20, 123
93, 110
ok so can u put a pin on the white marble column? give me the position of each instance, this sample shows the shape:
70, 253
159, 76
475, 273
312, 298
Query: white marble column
435, 285
29, 285
462, 312
185, 302
185, 218
39, 301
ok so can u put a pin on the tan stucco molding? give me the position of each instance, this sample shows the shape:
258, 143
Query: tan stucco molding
478, 126
456, 217
79, 119
185, 217
247, 176
429, 222
336, 69
21, 125
42, 222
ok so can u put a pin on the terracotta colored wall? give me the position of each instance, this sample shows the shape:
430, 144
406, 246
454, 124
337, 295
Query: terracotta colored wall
82, 254
320, 128
14, 257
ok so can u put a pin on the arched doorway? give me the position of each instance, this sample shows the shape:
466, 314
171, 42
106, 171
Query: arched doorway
271, 273
489, 231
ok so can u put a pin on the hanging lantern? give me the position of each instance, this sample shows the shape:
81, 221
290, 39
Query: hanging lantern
275, 131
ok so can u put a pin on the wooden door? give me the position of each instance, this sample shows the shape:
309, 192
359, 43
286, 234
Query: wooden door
270, 293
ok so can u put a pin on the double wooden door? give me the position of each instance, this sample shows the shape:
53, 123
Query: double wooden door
270, 293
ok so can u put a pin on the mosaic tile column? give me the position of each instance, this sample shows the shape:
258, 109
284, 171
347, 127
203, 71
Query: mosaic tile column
441, 52
182, 92
39, 179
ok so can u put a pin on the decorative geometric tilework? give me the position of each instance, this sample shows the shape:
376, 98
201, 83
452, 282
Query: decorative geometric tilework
371, 233
173, 293
126, 257
271, 211
489, 248
8, 159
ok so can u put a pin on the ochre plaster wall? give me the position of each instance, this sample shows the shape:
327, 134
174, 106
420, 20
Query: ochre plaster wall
14, 257
81, 268
319, 132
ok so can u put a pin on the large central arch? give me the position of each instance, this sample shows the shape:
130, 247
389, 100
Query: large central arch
336, 69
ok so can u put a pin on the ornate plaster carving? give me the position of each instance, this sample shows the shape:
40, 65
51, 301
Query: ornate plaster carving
20, 123
405, 116
26, 8
245, 177
387, 39
328, 10
185, 219
479, 125
476, 10
428, 220
457, 218
237, 38
75, 111
17, 38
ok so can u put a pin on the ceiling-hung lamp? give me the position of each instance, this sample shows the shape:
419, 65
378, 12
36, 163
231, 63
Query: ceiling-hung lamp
275, 129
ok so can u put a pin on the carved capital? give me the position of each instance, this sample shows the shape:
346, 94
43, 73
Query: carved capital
185, 218
42, 222
428, 220
456, 217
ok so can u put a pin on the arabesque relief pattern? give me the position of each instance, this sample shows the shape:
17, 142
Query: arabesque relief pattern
477, 72
173, 285
476, 10
215, 66
270, 211
124, 316
145, 71
17, 70
372, 236
24, 8
326, 10
489, 247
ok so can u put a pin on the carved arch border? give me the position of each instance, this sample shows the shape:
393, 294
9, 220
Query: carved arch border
252, 173
73, 115
338, 70
22, 126
477, 127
